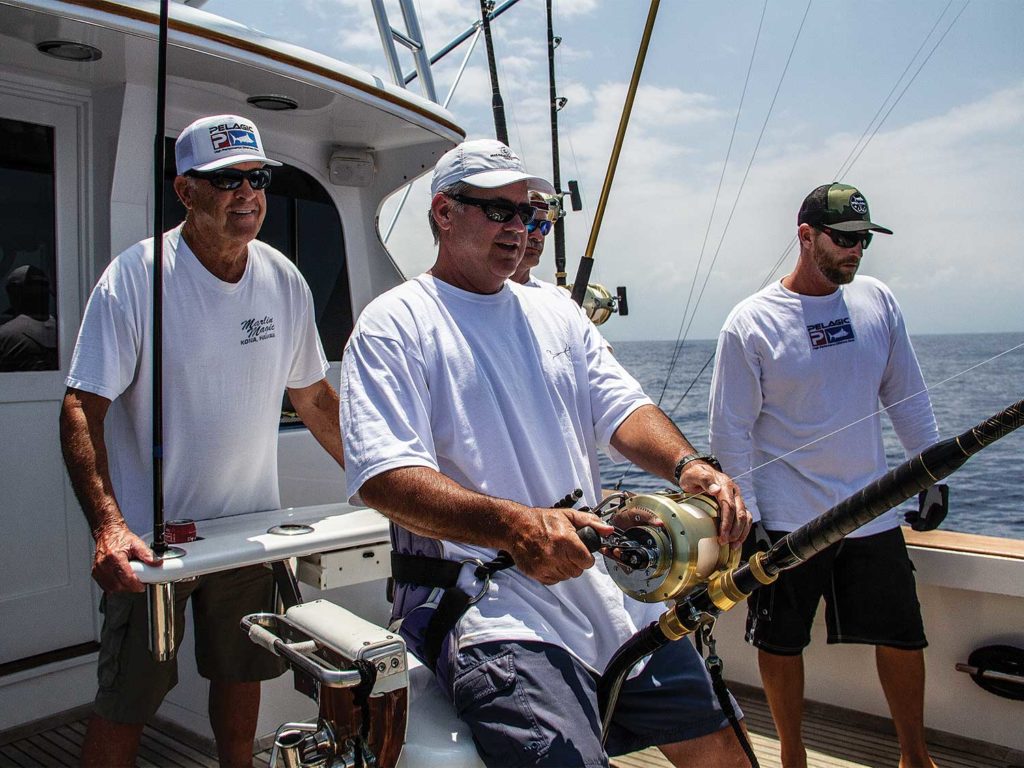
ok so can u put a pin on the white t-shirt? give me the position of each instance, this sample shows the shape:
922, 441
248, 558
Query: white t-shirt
533, 282
229, 352
508, 394
797, 383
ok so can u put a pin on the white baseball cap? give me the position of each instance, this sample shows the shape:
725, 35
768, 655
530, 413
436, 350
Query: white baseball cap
484, 163
211, 143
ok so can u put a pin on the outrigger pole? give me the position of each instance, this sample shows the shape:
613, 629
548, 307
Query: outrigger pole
497, 104
579, 286
159, 545
702, 605
556, 175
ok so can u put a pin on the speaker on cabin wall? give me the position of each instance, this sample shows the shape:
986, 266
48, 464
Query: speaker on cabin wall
350, 167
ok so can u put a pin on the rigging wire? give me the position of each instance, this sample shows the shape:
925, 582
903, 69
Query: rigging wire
842, 168
681, 336
937, 43
845, 167
714, 206
746, 172
848, 163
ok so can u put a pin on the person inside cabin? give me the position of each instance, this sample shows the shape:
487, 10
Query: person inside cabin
470, 406
28, 332
800, 370
238, 331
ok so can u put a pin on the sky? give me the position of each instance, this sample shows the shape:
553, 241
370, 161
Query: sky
743, 108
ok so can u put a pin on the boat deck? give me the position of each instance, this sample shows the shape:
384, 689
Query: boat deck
835, 739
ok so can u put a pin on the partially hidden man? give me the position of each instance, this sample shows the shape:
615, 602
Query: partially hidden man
471, 404
238, 332
801, 371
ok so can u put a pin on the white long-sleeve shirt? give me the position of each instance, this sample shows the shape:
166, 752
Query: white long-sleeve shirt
794, 414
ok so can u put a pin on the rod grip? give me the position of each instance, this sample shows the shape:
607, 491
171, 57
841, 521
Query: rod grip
591, 539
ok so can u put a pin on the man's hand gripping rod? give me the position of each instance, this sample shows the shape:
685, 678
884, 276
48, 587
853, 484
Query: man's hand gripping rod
724, 591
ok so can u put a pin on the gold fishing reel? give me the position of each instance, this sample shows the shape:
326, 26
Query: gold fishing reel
666, 544
600, 304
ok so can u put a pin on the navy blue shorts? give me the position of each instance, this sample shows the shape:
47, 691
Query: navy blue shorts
869, 591
534, 704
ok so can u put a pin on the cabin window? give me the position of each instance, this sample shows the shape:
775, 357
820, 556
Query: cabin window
304, 225
28, 303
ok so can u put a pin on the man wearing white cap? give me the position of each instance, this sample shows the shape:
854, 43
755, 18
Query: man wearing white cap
238, 331
471, 405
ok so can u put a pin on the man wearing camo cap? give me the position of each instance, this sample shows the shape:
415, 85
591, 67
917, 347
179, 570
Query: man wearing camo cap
800, 370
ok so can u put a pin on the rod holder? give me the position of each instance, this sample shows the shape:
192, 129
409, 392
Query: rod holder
162, 644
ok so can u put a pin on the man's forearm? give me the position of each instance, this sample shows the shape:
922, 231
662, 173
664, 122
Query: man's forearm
424, 501
317, 406
650, 439
85, 456
543, 542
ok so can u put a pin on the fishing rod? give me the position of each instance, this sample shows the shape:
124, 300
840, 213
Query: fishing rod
497, 104
730, 586
159, 546
556, 174
579, 288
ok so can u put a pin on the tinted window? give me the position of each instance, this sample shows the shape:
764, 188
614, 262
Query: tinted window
28, 259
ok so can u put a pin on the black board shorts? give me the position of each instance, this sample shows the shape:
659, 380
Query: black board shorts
869, 591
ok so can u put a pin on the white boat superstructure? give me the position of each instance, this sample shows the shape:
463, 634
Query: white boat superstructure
76, 139
77, 117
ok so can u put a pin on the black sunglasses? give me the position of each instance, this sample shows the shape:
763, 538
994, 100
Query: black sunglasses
500, 211
232, 178
847, 239
543, 225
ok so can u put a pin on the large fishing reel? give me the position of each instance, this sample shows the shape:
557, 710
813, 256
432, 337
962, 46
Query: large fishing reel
600, 304
665, 544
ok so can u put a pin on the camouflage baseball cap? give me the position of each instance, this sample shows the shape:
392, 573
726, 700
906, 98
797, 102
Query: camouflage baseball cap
838, 206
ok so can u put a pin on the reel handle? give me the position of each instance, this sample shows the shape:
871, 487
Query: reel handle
591, 539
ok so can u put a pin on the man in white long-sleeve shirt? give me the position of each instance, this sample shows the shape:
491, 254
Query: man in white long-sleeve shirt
800, 370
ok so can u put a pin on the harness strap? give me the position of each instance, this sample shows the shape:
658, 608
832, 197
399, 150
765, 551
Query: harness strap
715, 666
439, 573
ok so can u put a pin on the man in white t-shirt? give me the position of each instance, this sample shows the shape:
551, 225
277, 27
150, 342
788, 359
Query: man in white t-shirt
238, 331
471, 405
799, 373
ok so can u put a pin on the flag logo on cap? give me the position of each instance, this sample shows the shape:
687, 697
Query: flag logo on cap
859, 204
239, 135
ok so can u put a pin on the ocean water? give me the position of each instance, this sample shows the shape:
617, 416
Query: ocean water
970, 377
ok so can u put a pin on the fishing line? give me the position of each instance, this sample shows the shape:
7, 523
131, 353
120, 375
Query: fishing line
882, 410
714, 206
932, 51
681, 338
843, 170
854, 153
743, 182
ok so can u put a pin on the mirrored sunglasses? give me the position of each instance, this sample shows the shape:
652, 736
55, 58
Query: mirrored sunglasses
847, 239
232, 178
544, 226
500, 211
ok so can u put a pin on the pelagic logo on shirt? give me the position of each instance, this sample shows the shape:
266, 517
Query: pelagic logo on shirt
257, 329
831, 333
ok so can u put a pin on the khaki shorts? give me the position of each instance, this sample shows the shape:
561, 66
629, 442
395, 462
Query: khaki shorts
132, 685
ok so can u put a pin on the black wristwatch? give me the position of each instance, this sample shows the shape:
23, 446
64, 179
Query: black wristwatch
706, 457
